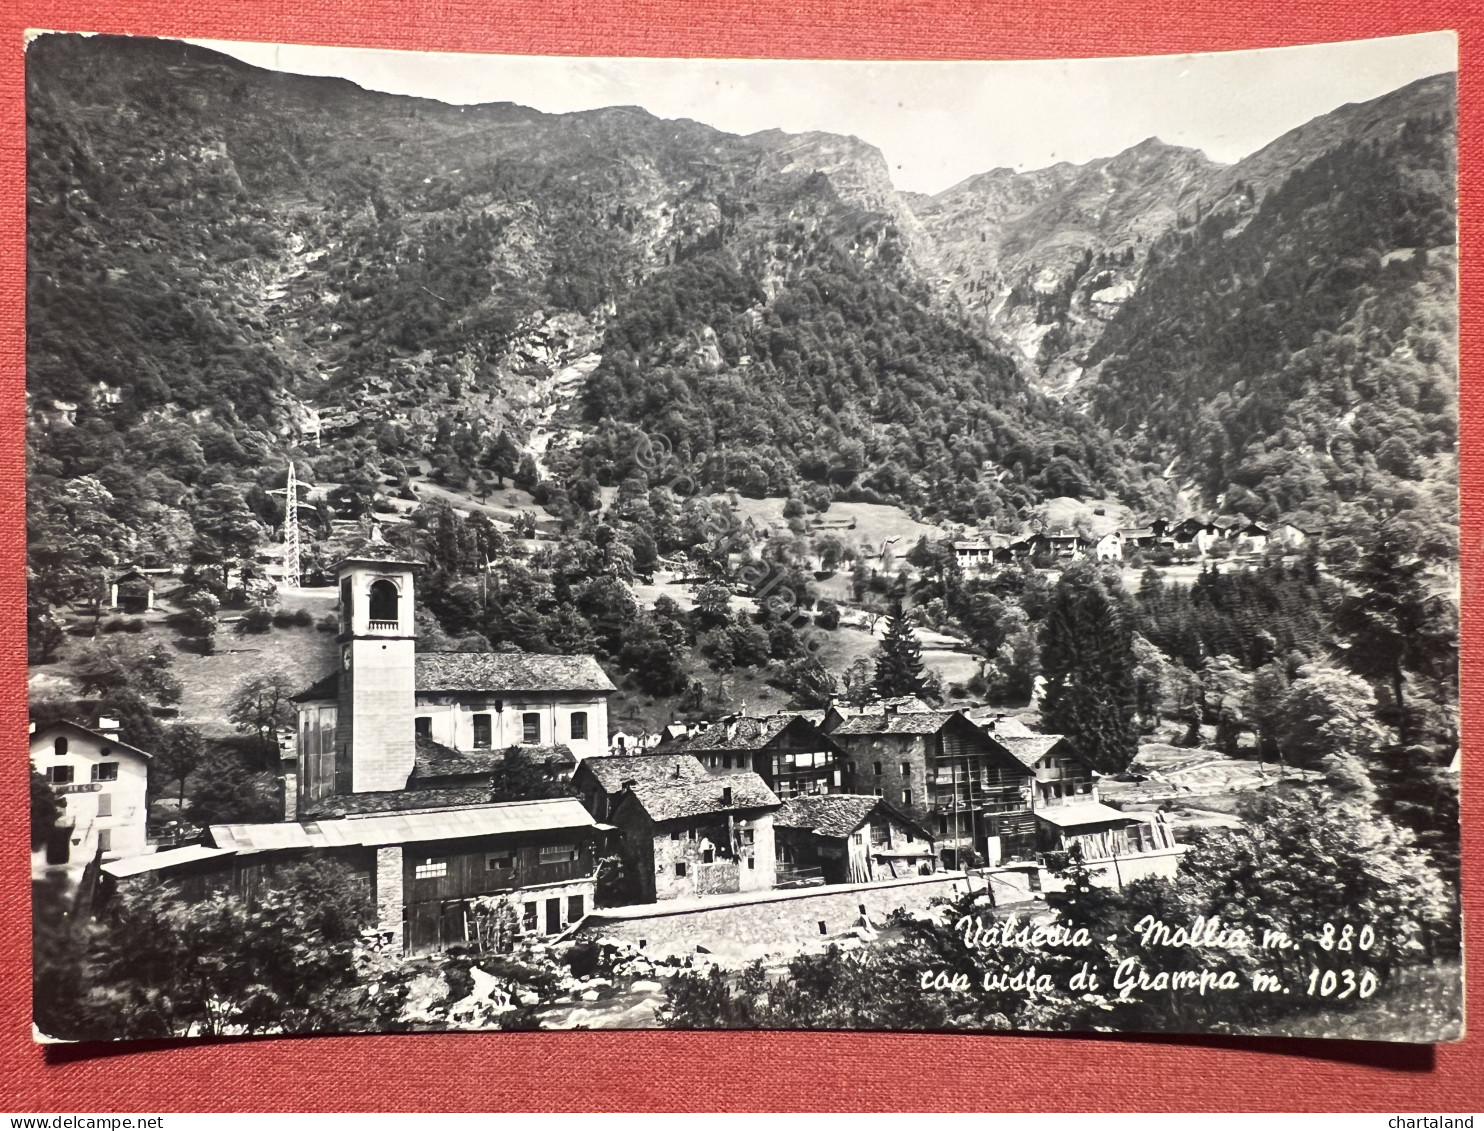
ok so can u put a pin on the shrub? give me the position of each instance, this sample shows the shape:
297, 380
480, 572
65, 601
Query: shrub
256, 620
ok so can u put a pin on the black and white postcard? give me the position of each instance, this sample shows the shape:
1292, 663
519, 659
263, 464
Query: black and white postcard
566, 543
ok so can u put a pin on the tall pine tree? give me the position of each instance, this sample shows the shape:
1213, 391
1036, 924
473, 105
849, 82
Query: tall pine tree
1087, 658
899, 659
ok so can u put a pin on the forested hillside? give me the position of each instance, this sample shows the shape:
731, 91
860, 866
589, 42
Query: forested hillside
1296, 348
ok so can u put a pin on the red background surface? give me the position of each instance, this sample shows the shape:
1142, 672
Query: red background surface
734, 1071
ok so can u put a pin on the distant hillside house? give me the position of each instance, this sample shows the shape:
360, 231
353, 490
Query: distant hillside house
848, 838
691, 836
789, 752
1109, 548
973, 555
102, 783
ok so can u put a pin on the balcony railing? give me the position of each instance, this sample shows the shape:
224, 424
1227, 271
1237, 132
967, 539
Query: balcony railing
382, 625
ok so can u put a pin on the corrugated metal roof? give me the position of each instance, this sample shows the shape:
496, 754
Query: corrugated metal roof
376, 829
1084, 813
157, 861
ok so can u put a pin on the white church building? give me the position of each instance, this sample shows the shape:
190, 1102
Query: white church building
359, 727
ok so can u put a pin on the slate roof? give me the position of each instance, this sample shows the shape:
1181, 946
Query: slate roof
1028, 749
903, 722
829, 814
509, 672
612, 772
434, 760
670, 800
742, 733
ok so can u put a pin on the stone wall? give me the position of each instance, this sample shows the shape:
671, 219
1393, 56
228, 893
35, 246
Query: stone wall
749, 926
389, 890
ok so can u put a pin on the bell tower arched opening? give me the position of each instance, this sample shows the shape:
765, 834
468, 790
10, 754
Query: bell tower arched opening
385, 601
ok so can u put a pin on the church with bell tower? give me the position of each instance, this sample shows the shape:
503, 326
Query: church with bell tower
391, 720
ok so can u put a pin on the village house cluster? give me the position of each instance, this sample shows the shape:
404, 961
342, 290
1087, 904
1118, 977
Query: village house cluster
390, 771
1193, 538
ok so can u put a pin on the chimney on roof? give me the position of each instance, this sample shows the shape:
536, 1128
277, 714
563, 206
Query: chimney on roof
108, 726
629, 783
889, 709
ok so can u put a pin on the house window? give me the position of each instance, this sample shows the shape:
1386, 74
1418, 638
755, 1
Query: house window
906, 797
880, 792
822, 928
59, 748
105, 840
746, 836
680, 871
531, 728
422, 726
105, 805
906, 769
726, 796
574, 908
384, 599
690, 834
345, 603
942, 824
579, 724
105, 771
751, 863
484, 733
675, 835
59, 775
499, 862
528, 917
878, 769
430, 870
558, 853
708, 856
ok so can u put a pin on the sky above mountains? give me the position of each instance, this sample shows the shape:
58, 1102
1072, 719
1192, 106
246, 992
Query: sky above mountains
936, 122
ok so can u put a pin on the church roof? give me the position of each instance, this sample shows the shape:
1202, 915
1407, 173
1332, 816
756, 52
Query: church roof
493, 672
509, 672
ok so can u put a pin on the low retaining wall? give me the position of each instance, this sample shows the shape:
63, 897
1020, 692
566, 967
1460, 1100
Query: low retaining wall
743, 927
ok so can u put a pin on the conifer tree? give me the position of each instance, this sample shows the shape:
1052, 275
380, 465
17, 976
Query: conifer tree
899, 659
1087, 658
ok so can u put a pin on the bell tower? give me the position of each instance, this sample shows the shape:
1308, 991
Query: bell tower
375, 743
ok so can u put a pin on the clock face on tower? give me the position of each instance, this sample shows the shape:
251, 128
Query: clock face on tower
345, 657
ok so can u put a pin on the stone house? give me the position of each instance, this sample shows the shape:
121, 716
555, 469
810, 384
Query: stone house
687, 837
791, 753
946, 774
847, 838
102, 783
